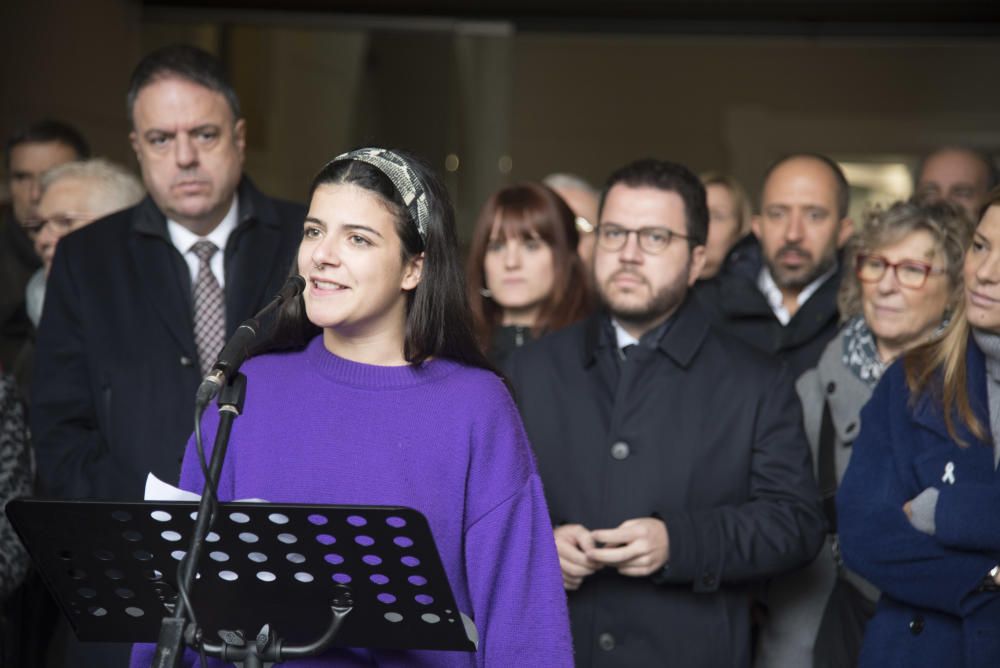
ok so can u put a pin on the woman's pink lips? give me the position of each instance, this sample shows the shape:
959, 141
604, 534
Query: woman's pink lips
319, 292
981, 300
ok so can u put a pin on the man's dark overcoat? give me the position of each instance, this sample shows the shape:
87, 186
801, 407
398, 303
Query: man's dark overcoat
701, 431
116, 367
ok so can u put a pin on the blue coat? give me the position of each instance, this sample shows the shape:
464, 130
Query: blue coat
932, 612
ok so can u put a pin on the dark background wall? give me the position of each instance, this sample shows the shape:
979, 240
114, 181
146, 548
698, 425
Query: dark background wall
488, 97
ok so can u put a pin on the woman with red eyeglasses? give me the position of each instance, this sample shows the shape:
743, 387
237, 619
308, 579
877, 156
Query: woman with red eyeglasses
904, 280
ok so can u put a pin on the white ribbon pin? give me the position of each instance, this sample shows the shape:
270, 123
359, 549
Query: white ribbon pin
949, 473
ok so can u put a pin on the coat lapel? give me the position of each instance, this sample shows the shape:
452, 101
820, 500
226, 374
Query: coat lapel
167, 290
683, 339
251, 258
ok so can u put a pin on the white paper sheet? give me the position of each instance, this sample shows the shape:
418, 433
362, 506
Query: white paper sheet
157, 490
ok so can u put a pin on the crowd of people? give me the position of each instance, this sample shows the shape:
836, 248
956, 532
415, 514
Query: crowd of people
647, 425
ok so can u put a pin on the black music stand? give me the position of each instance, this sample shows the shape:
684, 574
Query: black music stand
112, 568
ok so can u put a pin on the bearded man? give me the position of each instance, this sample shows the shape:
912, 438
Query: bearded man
674, 463
778, 287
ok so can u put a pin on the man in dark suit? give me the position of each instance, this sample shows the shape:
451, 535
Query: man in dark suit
673, 458
133, 314
778, 287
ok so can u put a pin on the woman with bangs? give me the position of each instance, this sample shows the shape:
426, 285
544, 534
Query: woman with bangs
525, 277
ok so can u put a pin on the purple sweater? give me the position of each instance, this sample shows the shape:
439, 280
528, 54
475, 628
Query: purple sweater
442, 438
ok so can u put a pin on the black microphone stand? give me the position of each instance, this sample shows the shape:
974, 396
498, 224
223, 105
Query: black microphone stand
175, 630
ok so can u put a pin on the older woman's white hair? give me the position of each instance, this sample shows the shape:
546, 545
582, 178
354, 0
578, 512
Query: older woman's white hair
112, 186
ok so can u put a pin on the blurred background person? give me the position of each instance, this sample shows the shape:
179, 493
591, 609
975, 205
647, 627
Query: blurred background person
903, 280
916, 507
72, 195
584, 200
962, 176
729, 214
28, 154
525, 277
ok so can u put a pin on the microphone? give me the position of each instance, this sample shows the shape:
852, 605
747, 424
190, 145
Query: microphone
237, 349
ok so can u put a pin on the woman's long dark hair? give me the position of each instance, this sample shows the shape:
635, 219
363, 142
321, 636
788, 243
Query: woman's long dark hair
438, 321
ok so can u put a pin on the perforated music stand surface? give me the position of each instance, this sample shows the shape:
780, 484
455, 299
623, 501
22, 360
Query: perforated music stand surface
112, 566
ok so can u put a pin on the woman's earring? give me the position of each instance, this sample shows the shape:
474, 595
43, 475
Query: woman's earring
485, 292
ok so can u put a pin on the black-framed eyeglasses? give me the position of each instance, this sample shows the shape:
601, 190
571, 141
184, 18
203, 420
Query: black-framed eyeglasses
910, 273
652, 240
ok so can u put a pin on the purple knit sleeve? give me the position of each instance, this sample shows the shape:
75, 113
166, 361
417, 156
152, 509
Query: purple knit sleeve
514, 581
515, 584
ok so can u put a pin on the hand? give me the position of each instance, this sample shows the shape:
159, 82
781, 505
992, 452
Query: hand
637, 547
908, 509
572, 542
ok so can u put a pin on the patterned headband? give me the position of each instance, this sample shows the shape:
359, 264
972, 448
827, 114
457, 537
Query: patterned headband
406, 181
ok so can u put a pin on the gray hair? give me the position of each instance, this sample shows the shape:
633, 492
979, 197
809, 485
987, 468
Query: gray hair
113, 186
570, 182
947, 224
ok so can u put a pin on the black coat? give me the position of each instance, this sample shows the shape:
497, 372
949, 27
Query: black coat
116, 367
701, 431
735, 303
18, 262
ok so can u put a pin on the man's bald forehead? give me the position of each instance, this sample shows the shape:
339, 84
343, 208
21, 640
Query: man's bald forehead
843, 191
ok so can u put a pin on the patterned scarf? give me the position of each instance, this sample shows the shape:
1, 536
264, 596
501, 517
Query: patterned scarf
860, 352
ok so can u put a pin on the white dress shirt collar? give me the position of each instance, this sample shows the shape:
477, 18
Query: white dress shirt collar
772, 293
183, 239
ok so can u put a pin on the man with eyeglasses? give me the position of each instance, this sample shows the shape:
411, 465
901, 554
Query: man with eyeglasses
778, 287
72, 195
673, 458
28, 154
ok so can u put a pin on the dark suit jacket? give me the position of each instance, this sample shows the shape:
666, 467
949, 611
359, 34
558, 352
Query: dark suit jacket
932, 612
737, 306
116, 366
701, 431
